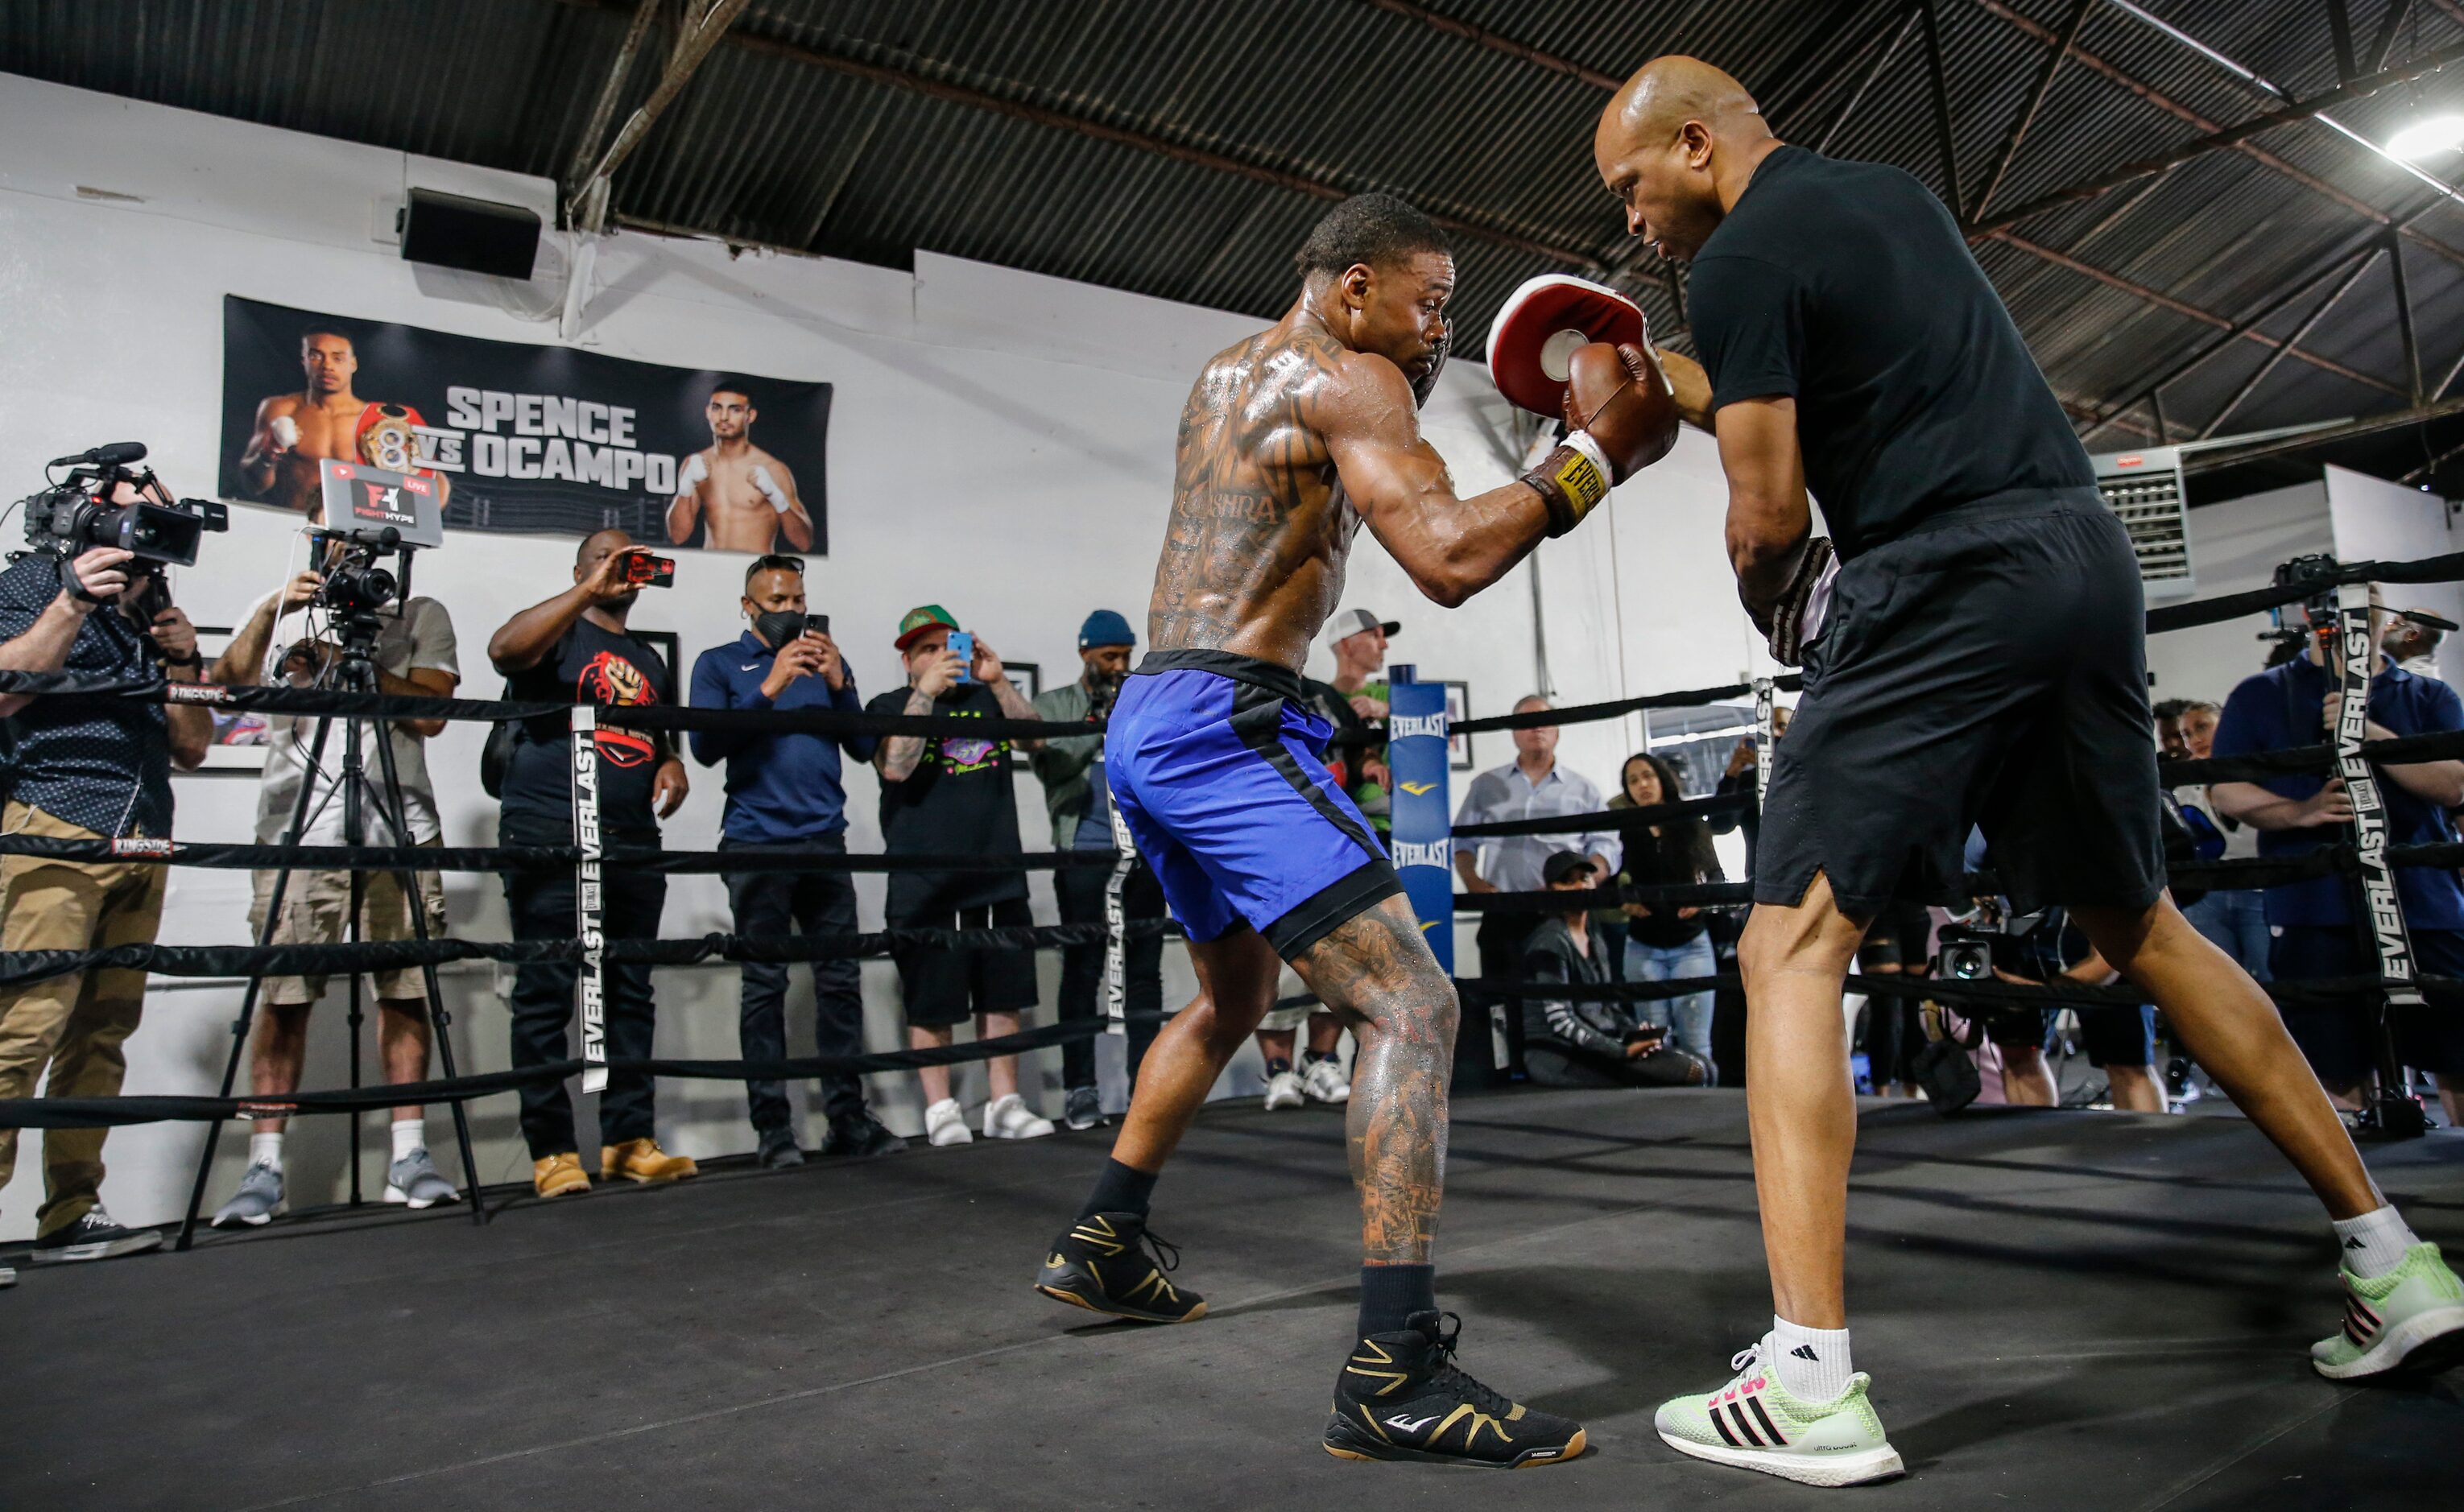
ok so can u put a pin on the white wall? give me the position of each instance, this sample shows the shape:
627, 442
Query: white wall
2376, 520
1001, 443
2237, 546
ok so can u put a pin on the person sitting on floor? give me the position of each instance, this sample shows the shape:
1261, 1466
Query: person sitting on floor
1588, 1043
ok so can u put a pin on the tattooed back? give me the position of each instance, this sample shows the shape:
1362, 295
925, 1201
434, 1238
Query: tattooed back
1254, 555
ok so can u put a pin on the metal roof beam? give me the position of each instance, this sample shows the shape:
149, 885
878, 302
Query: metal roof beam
1946, 142
919, 83
2054, 56
2250, 384
2175, 108
2229, 138
2366, 426
1483, 36
602, 112
699, 29
1873, 71
2384, 42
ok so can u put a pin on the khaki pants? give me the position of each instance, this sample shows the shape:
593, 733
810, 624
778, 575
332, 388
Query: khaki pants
77, 1024
316, 911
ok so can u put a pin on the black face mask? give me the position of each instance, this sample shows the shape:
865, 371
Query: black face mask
779, 626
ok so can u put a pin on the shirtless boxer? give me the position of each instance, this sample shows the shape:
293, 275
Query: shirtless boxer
1290, 443
1981, 661
743, 496
296, 431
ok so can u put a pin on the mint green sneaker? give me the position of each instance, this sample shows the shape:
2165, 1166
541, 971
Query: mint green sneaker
1754, 1424
2411, 1319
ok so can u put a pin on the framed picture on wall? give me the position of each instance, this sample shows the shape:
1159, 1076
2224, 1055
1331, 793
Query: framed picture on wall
1458, 709
1024, 676
664, 641
241, 735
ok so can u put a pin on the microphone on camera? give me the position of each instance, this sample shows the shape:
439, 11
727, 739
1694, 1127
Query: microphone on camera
115, 454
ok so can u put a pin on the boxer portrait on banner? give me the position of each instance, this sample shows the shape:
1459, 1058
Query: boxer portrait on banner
743, 496
326, 419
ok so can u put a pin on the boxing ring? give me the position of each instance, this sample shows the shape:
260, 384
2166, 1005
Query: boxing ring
2087, 1310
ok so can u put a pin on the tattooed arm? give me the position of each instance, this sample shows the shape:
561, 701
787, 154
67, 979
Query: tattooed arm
1452, 547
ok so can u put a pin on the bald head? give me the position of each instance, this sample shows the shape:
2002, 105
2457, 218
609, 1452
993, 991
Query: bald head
1678, 143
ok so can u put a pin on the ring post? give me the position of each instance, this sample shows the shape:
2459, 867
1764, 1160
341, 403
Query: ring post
2393, 1111
1116, 918
590, 986
1424, 844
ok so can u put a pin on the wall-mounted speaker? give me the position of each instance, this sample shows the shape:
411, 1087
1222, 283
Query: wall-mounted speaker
449, 230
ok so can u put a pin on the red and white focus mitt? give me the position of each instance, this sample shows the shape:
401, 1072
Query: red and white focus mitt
1532, 342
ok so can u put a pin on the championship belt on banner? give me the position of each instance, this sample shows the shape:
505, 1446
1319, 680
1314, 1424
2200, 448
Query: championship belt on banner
589, 985
388, 437
1115, 916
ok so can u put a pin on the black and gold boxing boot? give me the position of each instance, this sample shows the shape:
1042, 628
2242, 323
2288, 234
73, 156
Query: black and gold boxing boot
1400, 1396
1109, 1263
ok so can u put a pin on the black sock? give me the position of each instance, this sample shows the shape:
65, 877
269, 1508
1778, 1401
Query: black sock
1390, 1294
1314, 1057
1277, 1065
1120, 1189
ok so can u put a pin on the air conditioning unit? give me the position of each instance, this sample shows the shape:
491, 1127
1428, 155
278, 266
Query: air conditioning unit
2143, 489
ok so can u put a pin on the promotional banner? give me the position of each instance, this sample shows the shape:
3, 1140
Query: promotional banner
537, 439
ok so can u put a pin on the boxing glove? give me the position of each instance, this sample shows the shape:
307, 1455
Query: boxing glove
1796, 615
285, 432
769, 487
1620, 418
691, 474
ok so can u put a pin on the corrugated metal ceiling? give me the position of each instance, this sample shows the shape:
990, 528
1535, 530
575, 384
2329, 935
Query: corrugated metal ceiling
869, 128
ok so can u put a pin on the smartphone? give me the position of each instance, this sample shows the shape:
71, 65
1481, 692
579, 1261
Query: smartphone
962, 645
816, 625
645, 571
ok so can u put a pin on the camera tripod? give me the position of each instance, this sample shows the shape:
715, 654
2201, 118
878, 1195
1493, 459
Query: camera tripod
356, 664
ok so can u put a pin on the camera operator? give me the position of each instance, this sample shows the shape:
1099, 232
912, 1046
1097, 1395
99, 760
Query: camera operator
415, 656
85, 768
2043, 949
786, 791
2296, 703
574, 648
1080, 801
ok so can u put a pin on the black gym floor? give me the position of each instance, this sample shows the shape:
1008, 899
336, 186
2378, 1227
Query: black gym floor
2064, 1310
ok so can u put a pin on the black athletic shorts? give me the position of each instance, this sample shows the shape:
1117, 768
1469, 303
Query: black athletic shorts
941, 989
1986, 667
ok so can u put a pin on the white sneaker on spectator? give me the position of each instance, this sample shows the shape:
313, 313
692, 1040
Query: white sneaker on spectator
1326, 1083
1283, 1090
945, 1123
1009, 1118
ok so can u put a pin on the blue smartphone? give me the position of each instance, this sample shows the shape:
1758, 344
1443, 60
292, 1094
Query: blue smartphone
962, 645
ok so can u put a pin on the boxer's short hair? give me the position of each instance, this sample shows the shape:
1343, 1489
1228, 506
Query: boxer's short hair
729, 386
316, 328
1378, 229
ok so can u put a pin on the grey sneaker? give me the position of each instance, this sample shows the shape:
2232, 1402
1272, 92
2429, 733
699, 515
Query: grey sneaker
415, 1182
8, 1276
779, 1149
1084, 1110
93, 1236
259, 1197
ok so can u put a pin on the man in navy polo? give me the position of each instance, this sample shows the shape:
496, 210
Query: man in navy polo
2295, 705
784, 791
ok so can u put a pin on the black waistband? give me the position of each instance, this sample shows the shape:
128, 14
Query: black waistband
1272, 676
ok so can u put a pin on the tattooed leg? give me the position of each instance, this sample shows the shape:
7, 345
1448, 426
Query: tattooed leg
1236, 987
1375, 972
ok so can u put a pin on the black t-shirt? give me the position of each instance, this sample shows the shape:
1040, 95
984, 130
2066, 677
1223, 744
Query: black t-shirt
1848, 287
960, 799
1665, 860
589, 665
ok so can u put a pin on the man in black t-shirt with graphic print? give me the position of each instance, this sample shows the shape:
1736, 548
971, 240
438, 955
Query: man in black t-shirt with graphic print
575, 647
956, 795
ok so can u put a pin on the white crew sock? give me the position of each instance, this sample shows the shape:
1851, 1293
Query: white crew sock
266, 1149
1812, 1363
408, 1134
2374, 1243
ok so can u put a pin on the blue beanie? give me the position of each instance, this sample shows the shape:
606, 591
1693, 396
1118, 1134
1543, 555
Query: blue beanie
1105, 628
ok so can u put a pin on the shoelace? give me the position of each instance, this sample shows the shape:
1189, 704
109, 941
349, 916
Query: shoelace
1164, 1251
1453, 1377
1745, 1359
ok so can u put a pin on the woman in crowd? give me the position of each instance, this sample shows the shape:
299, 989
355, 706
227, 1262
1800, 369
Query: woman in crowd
1666, 942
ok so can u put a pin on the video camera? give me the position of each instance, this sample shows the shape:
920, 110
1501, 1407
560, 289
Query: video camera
1970, 949
78, 512
2316, 574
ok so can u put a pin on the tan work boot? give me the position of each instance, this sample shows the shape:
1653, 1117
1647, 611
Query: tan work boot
555, 1176
643, 1160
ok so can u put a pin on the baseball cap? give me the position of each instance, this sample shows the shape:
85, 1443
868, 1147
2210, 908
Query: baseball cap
1105, 628
1352, 622
920, 619
1564, 865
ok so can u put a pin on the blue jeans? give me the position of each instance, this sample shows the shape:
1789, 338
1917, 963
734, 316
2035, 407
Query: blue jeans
2236, 923
1687, 1018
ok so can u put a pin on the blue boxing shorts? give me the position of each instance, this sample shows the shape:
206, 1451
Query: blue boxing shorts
1216, 762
